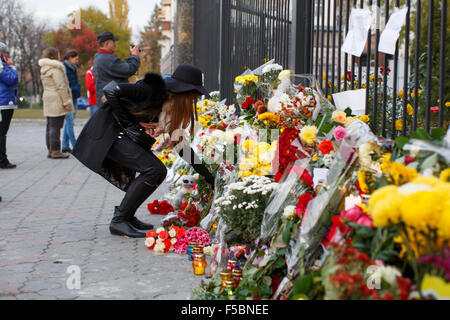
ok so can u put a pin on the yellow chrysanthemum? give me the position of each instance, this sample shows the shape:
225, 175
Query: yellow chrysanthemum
384, 206
401, 174
444, 222
362, 181
385, 162
399, 125
269, 116
422, 210
409, 109
431, 181
401, 94
308, 134
372, 76
445, 175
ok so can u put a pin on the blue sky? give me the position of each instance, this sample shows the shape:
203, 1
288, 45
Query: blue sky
56, 11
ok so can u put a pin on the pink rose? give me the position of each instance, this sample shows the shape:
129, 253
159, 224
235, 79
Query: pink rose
365, 220
339, 133
352, 214
434, 109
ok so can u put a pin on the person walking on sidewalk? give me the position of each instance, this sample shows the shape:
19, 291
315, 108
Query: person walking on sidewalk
57, 100
116, 142
8, 101
90, 88
108, 67
71, 61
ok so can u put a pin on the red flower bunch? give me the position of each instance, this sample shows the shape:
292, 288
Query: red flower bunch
189, 214
160, 208
248, 103
287, 152
326, 146
162, 240
302, 204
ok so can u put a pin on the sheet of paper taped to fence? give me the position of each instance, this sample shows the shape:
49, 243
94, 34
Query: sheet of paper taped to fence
353, 99
359, 25
389, 37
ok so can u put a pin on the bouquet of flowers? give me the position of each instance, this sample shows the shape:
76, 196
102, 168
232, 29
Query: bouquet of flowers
192, 235
242, 206
162, 241
160, 208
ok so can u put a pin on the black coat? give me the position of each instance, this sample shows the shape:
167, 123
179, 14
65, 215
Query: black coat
102, 130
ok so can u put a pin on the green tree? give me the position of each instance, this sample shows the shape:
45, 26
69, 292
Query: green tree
149, 42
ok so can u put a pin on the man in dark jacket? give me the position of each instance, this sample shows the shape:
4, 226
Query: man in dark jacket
8, 101
71, 60
108, 67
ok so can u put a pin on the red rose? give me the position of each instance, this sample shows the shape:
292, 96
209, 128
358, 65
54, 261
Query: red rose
245, 106
326, 146
163, 235
302, 204
249, 100
151, 234
168, 245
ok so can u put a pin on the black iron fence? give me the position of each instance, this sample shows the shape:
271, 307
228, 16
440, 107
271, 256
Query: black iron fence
404, 91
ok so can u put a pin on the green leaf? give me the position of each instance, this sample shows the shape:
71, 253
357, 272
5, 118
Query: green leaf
401, 141
303, 284
420, 134
287, 232
348, 112
438, 133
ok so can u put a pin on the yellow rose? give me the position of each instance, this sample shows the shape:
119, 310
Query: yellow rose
308, 134
284, 74
364, 118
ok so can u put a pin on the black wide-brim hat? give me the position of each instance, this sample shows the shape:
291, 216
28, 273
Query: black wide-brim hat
186, 78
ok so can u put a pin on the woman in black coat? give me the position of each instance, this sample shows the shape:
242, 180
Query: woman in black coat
116, 142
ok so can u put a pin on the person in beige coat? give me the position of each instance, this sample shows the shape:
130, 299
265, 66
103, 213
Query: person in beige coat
57, 100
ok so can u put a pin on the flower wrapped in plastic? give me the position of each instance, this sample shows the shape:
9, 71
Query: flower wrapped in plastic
291, 187
307, 247
298, 100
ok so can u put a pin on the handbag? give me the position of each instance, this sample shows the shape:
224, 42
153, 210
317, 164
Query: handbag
136, 134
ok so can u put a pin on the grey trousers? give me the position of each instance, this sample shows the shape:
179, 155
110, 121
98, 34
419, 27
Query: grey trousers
53, 134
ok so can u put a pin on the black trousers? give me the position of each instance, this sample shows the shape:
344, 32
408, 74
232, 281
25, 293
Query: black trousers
4, 127
53, 133
152, 172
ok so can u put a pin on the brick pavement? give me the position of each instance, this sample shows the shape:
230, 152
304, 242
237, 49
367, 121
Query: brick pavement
55, 214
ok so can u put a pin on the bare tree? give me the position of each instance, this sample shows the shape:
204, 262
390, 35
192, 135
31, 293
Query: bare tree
24, 36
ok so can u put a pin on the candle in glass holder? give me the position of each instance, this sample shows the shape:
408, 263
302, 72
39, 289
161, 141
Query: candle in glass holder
190, 248
199, 264
237, 276
196, 250
225, 276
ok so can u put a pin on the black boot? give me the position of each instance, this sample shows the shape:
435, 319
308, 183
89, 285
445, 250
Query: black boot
121, 227
140, 225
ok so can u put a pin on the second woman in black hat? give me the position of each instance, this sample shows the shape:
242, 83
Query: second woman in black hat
116, 142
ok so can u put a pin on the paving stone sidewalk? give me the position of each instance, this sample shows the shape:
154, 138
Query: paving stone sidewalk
55, 214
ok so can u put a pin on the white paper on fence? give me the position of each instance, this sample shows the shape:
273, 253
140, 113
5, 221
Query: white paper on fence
359, 25
389, 37
320, 175
353, 99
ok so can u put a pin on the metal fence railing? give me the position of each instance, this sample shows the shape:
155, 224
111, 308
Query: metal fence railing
404, 91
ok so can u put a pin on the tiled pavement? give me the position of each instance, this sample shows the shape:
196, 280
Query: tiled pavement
55, 214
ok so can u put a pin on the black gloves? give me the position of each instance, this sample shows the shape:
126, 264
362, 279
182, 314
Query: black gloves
198, 166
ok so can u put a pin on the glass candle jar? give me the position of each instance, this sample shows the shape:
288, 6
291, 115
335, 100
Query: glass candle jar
196, 250
225, 276
199, 264
237, 276
190, 248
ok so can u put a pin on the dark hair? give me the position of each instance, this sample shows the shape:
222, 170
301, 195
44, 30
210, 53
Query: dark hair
51, 53
70, 54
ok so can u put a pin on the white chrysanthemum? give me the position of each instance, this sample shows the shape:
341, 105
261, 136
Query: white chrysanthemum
272, 67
